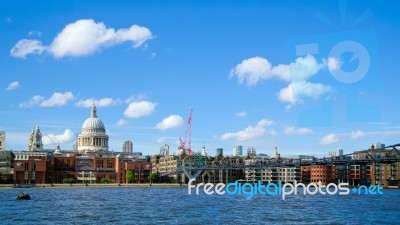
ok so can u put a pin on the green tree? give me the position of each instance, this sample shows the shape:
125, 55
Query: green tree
104, 180
130, 176
153, 177
68, 180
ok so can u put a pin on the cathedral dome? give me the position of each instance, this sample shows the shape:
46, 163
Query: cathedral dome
93, 124
93, 137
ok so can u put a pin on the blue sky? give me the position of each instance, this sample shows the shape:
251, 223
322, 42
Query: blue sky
307, 76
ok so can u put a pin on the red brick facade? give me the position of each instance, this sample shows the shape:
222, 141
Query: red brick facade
49, 169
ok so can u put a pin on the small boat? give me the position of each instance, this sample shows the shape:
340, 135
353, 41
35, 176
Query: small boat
24, 196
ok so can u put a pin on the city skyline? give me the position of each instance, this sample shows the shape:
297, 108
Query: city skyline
256, 74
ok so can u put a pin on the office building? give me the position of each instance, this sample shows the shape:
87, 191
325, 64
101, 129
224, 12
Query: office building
237, 150
127, 147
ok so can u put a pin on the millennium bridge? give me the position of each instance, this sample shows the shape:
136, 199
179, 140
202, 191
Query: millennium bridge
192, 172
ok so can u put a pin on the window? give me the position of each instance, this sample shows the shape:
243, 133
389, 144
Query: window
33, 175
26, 175
33, 167
110, 164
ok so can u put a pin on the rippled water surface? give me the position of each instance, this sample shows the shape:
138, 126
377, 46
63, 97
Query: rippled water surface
163, 205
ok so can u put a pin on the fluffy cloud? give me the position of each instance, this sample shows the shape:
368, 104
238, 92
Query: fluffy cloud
329, 139
12, 86
252, 70
83, 37
66, 137
300, 88
57, 99
297, 131
297, 74
304, 67
173, 121
25, 47
35, 100
295, 92
251, 132
139, 109
357, 134
241, 114
103, 102
121, 122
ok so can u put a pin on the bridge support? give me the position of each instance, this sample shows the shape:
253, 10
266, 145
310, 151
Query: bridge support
189, 173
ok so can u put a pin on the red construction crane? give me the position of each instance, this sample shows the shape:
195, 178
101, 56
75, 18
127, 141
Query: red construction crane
187, 142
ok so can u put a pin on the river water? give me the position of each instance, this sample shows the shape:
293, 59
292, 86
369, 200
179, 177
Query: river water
173, 205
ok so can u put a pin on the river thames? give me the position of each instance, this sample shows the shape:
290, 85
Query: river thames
173, 205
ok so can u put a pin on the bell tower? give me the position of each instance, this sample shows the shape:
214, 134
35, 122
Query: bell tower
35, 140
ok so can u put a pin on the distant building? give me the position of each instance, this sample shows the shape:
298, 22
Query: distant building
237, 150
251, 151
379, 145
203, 151
127, 147
2, 140
219, 152
262, 156
137, 154
276, 154
141, 169
6, 166
340, 152
32, 167
164, 150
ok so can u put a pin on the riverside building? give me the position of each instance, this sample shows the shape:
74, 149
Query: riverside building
91, 162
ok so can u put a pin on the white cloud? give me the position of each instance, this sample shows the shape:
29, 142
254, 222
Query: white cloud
357, 134
122, 122
297, 131
241, 114
333, 64
103, 102
25, 47
304, 67
173, 121
265, 122
252, 70
329, 139
12, 86
66, 137
35, 100
295, 92
297, 73
83, 37
139, 109
57, 99
251, 132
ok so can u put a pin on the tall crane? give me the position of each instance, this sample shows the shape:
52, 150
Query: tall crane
187, 141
